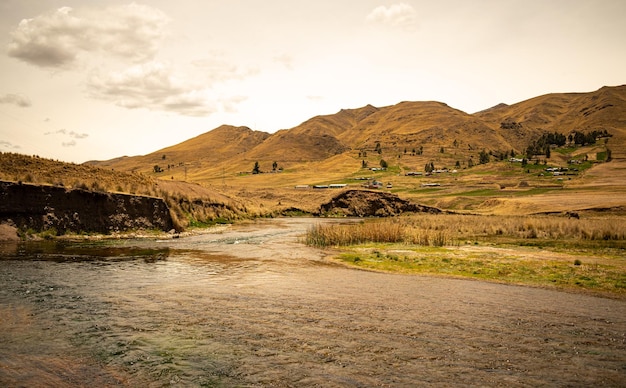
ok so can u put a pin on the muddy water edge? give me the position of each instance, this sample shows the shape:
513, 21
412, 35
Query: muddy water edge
252, 306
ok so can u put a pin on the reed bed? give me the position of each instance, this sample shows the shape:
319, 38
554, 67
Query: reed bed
451, 229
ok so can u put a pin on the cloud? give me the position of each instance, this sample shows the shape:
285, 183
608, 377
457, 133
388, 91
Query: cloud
57, 39
58, 132
9, 145
151, 86
76, 135
15, 99
229, 104
397, 15
71, 134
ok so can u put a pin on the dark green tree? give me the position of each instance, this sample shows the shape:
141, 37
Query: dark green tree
256, 169
483, 157
383, 163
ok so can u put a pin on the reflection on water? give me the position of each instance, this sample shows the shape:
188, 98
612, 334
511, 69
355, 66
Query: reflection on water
253, 307
64, 251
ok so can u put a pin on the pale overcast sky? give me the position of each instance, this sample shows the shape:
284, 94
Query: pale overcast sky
98, 79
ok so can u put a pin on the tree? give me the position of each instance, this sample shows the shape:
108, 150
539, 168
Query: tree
274, 166
429, 167
483, 157
256, 169
157, 168
378, 148
363, 163
457, 165
383, 163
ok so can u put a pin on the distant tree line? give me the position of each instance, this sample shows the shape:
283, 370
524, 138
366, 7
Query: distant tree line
542, 145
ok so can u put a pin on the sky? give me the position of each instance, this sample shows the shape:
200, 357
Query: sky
94, 80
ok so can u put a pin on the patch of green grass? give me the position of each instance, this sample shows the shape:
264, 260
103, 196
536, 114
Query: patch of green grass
490, 266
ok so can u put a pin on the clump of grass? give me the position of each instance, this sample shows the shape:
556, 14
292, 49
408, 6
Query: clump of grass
354, 234
443, 230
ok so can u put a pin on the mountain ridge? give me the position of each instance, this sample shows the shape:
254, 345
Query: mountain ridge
441, 132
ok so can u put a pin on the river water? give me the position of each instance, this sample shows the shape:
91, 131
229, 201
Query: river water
252, 306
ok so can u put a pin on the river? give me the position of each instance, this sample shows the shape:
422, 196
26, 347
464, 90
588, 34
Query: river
252, 306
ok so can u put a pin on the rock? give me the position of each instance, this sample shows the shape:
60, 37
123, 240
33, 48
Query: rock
8, 232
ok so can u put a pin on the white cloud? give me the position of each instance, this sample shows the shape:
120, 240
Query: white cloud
397, 15
151, 86
57, 39
15, 99
70, 143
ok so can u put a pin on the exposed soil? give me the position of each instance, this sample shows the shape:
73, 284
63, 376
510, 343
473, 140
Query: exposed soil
365, 203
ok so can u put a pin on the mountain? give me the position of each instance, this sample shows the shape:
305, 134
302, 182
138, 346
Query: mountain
223, 143
444, 134
562, 113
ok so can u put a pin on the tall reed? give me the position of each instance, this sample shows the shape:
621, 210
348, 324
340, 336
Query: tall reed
441, 230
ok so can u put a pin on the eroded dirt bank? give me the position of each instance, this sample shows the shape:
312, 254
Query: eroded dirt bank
48, 207
252, 306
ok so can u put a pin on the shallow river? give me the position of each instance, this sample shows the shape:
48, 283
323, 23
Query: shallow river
252, 306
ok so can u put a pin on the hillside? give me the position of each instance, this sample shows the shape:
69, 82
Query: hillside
562, 113
410, 133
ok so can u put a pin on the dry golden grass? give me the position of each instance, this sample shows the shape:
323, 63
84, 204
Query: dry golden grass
455, 229
548, 251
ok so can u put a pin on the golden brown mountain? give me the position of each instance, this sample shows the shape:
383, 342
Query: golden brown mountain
562, 113
442, 133
223, 143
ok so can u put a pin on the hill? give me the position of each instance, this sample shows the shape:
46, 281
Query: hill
469, 153
431, 130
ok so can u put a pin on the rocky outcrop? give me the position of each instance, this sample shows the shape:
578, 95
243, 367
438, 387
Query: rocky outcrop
364, 203
56, 208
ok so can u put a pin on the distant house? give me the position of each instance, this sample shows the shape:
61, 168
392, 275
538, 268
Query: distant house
431, 184
413, 173
373, 185
320, 186
302, 187
337, 185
